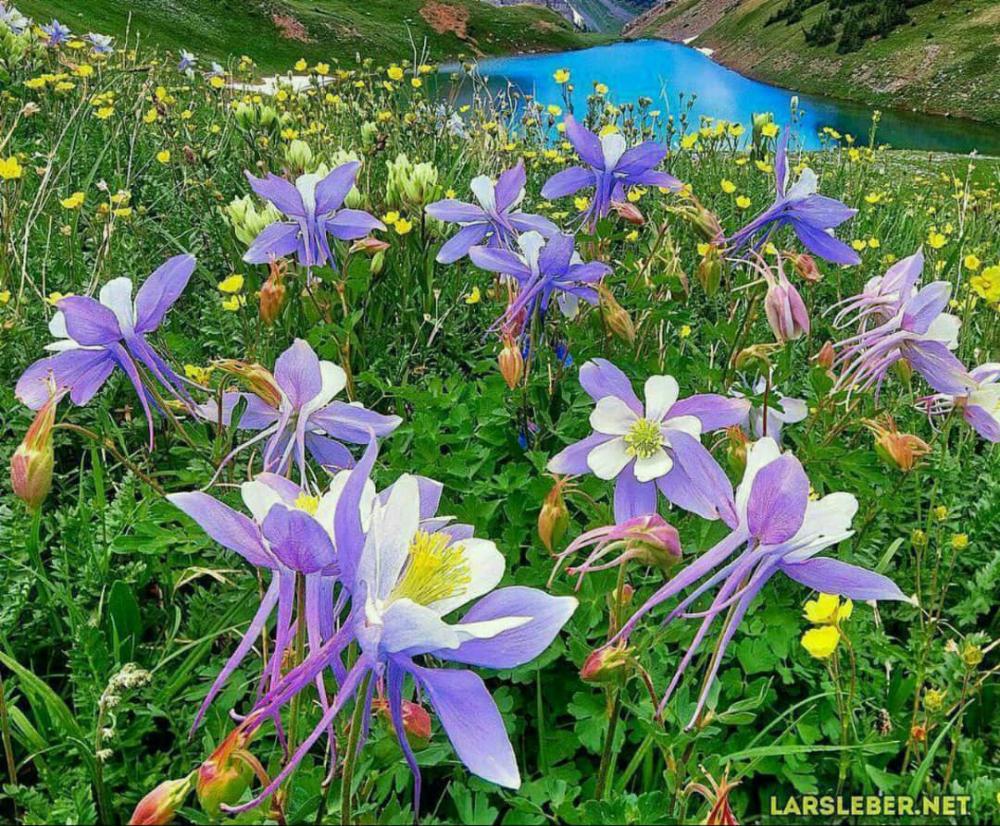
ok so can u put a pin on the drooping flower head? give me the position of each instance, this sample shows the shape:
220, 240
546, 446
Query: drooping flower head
289, 531
313, 206
56, 33
406, 570
786, 311
648, 447
296, 410
980, 405
919, 331
100, 43
95, 337
494, 222
611, 169
882, 296
812, 216
780, 530
542, 269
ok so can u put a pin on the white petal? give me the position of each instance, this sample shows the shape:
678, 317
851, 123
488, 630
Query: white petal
334, 379
409, 626
486, 565
613, 146
306, 185
487, 629
259, 498
791, 410
393, 528
657, 465
57, 325
830, 515
531, 244
806, 185
945, 329
482, 187
987, 397
611, 415
661, 394
569, 304
686, 424
116, 295
609, 459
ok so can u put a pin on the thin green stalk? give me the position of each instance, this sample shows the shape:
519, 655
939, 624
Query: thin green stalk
8, 748
351, 754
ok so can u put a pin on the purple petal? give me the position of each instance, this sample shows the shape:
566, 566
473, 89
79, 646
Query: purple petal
352, 422
297, 539
496, 260
781, 162
349, 535
632, 497
509, 649
228, 527
572, 460
600, 378
529, 222
82, 372
279, 240
258, 414
350, 224
556, 254
641, 158
983, 422
925, 306
656, 178
822, 212
330, 453
713, 411
939, 367
451, 211
586, 143
472, 722
459, 244
588, 272
777, 503
831, 576
509, 186
298, 373
331, 191
696, 482
429, 493
160, 291
567, 182
88, 321
279, 192
825, 245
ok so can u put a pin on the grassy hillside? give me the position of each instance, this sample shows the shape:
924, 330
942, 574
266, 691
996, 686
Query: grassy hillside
946, 59
277, 32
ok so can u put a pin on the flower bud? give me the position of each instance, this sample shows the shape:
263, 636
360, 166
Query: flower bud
511, 362
160, 805
615, 316
653, 541
553, 519
756, 354
805, 266
972, 654
736, 449
628, 212
272, 294
298, 155
701, 219
223, 777
257, 378
416, 721
710, 270
607, 665
785, 309
934, 699
825, 357
369, 246
32, 462
378, 262
902, 450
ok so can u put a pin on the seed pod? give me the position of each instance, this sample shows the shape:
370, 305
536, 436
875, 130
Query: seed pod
511, 362
553, 519
616, 316
607, 665
160, 805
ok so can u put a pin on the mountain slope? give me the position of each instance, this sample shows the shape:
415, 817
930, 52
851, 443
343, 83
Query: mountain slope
945, 58
277, 32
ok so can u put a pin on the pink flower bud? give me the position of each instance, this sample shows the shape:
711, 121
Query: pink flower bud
628, 212
32, 462
257, 378
160, 805
805, 266
607, 665
416, 721
786, 312
615, 316
223, 777
369, 246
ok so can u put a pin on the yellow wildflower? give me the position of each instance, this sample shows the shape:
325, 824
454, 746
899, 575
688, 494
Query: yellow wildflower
728, 186
827, 609
395, 72
74, 201
561, 76
769, 130
474, 296
10, 169
402, 226
743, 202
163, 156
231, 284
233, 303
936, 240
972, 262
821, 642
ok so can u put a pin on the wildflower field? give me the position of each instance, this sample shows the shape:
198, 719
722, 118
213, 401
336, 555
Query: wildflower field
381, 454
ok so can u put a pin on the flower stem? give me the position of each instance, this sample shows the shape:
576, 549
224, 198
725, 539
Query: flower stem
8, 748
351, 753
607, 754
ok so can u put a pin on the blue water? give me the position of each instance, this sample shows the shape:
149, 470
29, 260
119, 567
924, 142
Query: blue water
663, 71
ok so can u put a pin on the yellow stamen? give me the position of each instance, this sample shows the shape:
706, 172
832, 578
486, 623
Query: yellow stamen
644, 439
434, 570
307, 503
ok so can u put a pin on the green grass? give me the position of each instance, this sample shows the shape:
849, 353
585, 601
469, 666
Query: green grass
947, 60
337, 29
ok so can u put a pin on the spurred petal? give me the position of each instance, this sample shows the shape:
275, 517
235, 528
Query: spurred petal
297, 539
352, 422
495, 260
82, 372
697, 483
509, 187
161, 290
633, 498
459, 244
350, 224
600, 378
333, 189
279, 192
586, 143
572, 460
472, 722
297, 372
713, 411
641, 158
567, 182
88, 321
279, 240
451, 211
825, 245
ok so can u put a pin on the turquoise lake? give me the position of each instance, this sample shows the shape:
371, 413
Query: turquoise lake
663, 71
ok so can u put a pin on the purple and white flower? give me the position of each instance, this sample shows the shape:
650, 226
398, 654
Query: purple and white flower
780, 531
13, 19
542, 269
882, 296
812, 216
495, 221
781, 410
980, 405
308, 417
652, 446
406, 570
95, 337
100, 43
611, 169
313, 205
187, 61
